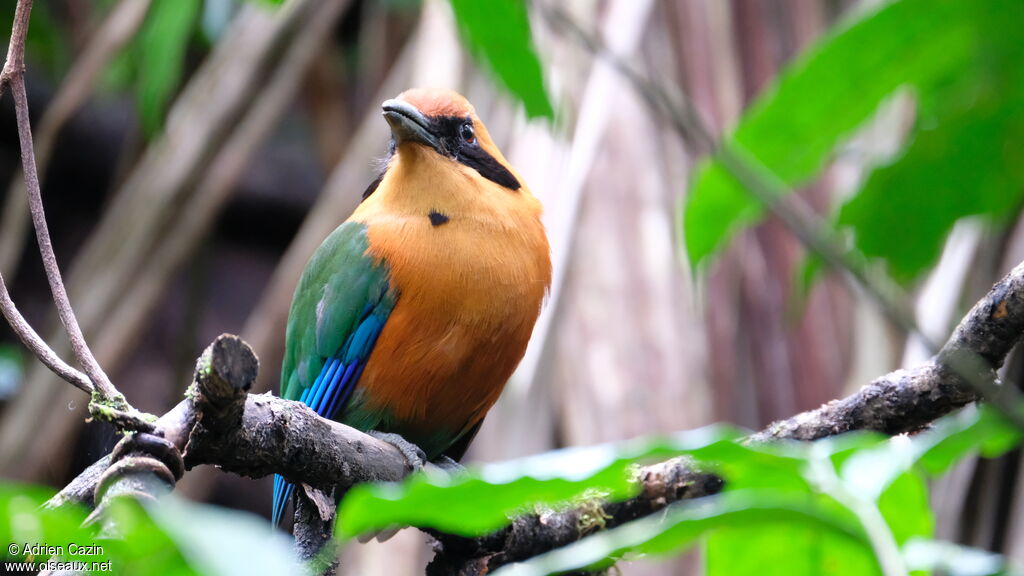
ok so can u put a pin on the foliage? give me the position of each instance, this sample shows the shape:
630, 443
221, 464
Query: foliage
959, 59
174, 537
46, 42
481, 502
506, 49
161, 57
788, 508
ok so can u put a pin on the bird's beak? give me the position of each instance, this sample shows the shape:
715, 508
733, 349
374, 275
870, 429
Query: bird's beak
408, 124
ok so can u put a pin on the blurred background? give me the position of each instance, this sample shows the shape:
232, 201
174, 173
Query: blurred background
194, 153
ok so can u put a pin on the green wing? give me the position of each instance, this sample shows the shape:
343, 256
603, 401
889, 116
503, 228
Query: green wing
340, 304
339, 308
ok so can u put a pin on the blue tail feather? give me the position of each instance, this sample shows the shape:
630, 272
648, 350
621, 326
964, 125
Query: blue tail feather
282, 494
337, 379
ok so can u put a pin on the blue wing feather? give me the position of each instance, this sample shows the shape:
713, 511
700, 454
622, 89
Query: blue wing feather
337, 379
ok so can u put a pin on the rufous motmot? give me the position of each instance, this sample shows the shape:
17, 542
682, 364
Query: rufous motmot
411, 316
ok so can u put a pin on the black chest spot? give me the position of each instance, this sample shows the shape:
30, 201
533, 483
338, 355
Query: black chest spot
436, 218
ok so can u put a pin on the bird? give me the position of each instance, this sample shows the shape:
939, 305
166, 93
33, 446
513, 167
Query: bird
412, 314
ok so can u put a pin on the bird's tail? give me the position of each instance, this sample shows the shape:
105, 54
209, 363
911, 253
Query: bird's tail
282, 494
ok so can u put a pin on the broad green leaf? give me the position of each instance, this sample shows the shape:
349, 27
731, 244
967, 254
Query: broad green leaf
169, 538
483, 500
834, 87
980, 430
143, 548
870, 471
497, 32
904, 505
778, 466
24, 524
176, 537
965, 162
162, 44
785, 550
683, 523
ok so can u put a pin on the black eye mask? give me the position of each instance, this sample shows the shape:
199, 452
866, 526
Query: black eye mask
459, 142
451, 131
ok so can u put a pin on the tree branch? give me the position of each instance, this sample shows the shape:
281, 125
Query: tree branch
219, 423
60, 297
252, 435
533, 534
14, 75
899, 402
118, 27
15, 64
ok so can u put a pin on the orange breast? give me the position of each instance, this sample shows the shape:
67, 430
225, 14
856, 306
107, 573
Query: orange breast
469, 292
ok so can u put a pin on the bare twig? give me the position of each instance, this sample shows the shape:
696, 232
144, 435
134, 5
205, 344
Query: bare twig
15, 64
118, 27
37, 346
14, 75
60, 296
119, 274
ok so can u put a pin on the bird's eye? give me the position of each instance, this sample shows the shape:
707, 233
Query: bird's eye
467, 133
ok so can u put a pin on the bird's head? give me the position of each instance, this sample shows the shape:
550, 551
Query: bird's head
445, 122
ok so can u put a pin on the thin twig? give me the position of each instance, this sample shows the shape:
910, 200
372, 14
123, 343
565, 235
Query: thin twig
15, 63
34, 343
119, 26
14, 75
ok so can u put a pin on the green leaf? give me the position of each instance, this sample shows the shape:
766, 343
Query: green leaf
24, 524
904, 505
177, 537
965, 162
794, 126
785, 550
972, 430
683, 523
497, 33
169, 538
222, 542
482, 501
162, 44
870, 471
142, 545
